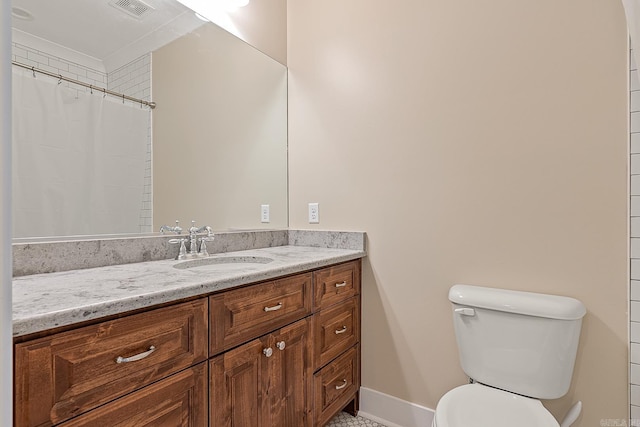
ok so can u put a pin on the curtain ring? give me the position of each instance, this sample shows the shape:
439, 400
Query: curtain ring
33, 70
123, 98
59, 78
104, 93
91, 89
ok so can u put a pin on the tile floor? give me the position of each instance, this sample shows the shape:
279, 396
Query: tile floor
345, 420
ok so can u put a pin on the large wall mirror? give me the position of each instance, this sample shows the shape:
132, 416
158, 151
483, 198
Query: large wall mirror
87, 162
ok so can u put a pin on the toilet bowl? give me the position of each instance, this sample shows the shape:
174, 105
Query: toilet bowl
517, 347
477, 405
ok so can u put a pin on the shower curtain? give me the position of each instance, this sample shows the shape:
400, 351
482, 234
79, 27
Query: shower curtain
78, 160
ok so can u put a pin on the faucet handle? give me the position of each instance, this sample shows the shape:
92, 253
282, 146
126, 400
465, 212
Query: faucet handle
203, 245
183, 249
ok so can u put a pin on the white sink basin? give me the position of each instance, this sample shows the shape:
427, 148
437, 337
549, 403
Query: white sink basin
222, 263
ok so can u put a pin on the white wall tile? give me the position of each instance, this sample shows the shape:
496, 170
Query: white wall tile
635, 374
635, 395
635, 416
635, 205
635, 247
635, 122
635, 357
634, 332
635, 290
635, 315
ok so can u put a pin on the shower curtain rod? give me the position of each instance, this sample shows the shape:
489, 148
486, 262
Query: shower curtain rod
122, 96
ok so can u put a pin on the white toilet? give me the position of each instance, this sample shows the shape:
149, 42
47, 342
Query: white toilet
517, 347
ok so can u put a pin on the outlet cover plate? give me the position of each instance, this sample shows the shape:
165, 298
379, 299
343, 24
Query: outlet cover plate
314, 213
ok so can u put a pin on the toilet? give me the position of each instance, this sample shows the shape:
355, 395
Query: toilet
516, 347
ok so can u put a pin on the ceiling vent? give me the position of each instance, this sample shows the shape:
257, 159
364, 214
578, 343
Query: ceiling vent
136, 8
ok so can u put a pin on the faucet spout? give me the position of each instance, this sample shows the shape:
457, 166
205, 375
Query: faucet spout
177, 229
193, 237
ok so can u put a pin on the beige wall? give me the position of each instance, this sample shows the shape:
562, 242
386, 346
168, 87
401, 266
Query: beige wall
474, 142
219, 133
263, 24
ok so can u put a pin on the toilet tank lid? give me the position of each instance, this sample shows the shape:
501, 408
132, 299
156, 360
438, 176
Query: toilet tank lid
527, 303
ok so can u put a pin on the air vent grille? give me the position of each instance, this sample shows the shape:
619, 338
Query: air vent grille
135, 8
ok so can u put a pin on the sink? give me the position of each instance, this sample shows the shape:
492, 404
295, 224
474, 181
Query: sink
222, 263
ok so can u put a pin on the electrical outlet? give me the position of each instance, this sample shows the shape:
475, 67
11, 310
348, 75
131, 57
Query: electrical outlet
314, 213
264, 213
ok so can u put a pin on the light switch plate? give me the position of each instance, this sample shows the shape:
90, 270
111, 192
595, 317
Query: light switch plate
264, 213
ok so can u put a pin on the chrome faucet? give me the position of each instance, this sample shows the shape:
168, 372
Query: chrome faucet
193, 242
177, 229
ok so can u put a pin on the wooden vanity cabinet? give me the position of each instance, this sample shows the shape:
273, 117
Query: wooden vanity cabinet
67, 374
336, 346
302, 374
265, 382
281, 353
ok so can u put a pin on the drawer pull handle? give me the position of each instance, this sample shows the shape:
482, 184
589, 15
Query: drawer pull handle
268, 352
341, 331
281, 345
341, 285
343, 385
274, 308
137, 357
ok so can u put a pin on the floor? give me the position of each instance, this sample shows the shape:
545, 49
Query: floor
345, 420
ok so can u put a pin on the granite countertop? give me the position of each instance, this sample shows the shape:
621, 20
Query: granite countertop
46, 301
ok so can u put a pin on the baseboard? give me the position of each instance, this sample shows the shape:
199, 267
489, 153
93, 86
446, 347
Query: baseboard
391, 411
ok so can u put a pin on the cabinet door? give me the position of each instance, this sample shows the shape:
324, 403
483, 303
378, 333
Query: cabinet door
180, 401
291, 373
237, 380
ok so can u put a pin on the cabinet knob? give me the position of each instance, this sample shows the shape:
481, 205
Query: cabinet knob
281, 345
341, 285
268, 352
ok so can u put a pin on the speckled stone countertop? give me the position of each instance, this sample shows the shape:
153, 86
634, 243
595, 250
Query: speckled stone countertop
46, 301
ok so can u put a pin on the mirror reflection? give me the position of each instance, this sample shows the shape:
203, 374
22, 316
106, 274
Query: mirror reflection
87, 163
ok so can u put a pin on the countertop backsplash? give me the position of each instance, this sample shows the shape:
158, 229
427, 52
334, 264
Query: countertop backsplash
65, 255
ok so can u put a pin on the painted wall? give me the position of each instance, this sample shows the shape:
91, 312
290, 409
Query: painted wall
219, 133
474, 142
263, 24
6, 338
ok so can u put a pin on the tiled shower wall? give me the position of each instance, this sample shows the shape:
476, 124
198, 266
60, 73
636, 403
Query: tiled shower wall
133, 79
634, 309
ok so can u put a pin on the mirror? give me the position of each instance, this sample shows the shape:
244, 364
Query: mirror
214, 149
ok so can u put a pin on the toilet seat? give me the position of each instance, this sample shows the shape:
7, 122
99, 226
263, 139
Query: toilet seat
477, 405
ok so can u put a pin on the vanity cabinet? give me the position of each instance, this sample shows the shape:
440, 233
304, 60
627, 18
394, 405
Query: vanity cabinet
284, 352
265, 382
66, 374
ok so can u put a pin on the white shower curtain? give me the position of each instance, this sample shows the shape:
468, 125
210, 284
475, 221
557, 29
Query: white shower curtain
78, 160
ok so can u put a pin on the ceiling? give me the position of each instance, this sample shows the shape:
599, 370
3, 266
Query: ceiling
102, 31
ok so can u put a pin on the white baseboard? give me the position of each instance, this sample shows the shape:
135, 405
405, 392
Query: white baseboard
391, 411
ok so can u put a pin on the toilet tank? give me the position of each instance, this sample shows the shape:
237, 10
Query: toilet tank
521, 342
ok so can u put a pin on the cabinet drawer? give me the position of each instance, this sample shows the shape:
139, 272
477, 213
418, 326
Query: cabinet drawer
66, 374
180, 400
336, 283
336, 384
240, 315
335, 330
